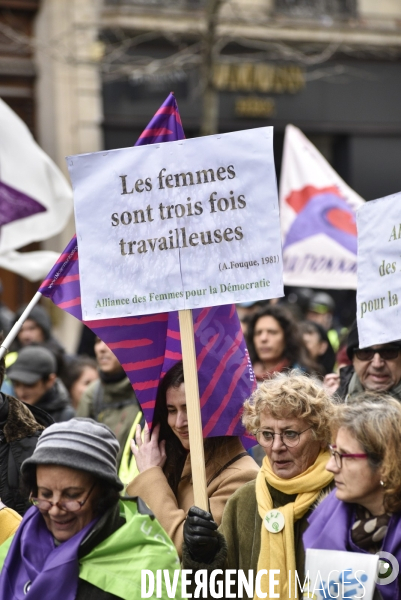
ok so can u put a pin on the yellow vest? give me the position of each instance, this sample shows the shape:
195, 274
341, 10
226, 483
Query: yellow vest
128, 469
9, 522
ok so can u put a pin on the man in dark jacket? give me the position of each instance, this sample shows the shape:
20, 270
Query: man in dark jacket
35, 382
375, 369
20, 427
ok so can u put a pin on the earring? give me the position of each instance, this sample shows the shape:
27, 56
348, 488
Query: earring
381, 482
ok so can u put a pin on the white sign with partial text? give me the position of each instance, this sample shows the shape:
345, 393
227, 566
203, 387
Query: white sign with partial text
338, 574
379, 268
177, 225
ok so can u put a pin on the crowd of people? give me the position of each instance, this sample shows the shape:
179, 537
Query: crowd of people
84, 479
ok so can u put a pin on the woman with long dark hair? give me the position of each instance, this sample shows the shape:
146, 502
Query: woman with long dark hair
318, 344
275, 343
165, 478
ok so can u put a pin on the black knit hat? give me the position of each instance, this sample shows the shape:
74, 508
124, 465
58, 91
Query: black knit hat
80, 444
353, 340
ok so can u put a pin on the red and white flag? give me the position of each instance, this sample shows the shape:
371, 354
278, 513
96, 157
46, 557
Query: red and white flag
317, 210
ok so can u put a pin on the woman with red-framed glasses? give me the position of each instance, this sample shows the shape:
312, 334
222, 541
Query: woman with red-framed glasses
363, 513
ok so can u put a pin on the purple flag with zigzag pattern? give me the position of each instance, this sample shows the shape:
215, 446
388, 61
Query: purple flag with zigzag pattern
15, 205
148, 346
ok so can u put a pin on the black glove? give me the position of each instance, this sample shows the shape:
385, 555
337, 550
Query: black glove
200, 535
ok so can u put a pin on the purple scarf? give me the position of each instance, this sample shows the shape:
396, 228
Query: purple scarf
34, 558
330, 529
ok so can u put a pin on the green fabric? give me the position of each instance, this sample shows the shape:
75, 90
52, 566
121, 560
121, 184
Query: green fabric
355, 387
4, 550
334, 339
115, 565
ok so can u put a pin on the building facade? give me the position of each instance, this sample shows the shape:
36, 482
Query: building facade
87, 75
17, 89
331, 68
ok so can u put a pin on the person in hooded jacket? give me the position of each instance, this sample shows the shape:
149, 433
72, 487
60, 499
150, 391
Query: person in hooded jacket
35, 382
20, 428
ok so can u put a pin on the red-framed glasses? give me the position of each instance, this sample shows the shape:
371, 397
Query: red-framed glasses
338, 456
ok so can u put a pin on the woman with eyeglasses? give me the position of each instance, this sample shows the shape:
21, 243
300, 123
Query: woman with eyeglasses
263, 522
363, 513
80, 540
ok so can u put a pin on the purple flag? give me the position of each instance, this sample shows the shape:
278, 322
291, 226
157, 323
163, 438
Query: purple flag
147, 346
16, 205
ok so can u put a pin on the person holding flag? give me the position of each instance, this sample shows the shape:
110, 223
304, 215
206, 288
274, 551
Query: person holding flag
165, 477
148, 346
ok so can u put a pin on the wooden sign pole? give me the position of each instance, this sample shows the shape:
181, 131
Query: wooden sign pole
193, 409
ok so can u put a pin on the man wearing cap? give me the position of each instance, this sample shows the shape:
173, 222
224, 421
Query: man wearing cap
20, 427
375, 369
35, 382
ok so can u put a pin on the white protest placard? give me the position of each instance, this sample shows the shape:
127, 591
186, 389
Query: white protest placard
379, 267
337, 574
177, 225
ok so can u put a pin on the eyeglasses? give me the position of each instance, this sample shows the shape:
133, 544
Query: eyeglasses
338, 456
387, 353
289, 438
68, 505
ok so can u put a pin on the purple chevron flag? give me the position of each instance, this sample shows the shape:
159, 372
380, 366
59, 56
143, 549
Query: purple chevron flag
15, 205
148, 346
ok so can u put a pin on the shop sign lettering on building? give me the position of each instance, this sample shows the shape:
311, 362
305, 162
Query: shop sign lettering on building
178, 225
258, 77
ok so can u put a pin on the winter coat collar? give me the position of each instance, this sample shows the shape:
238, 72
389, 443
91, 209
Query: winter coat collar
350, 384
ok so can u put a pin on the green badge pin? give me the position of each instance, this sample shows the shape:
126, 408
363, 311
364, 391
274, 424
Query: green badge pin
274, 521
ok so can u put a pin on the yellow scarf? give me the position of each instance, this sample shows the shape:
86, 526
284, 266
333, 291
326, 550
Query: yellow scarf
277, 550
